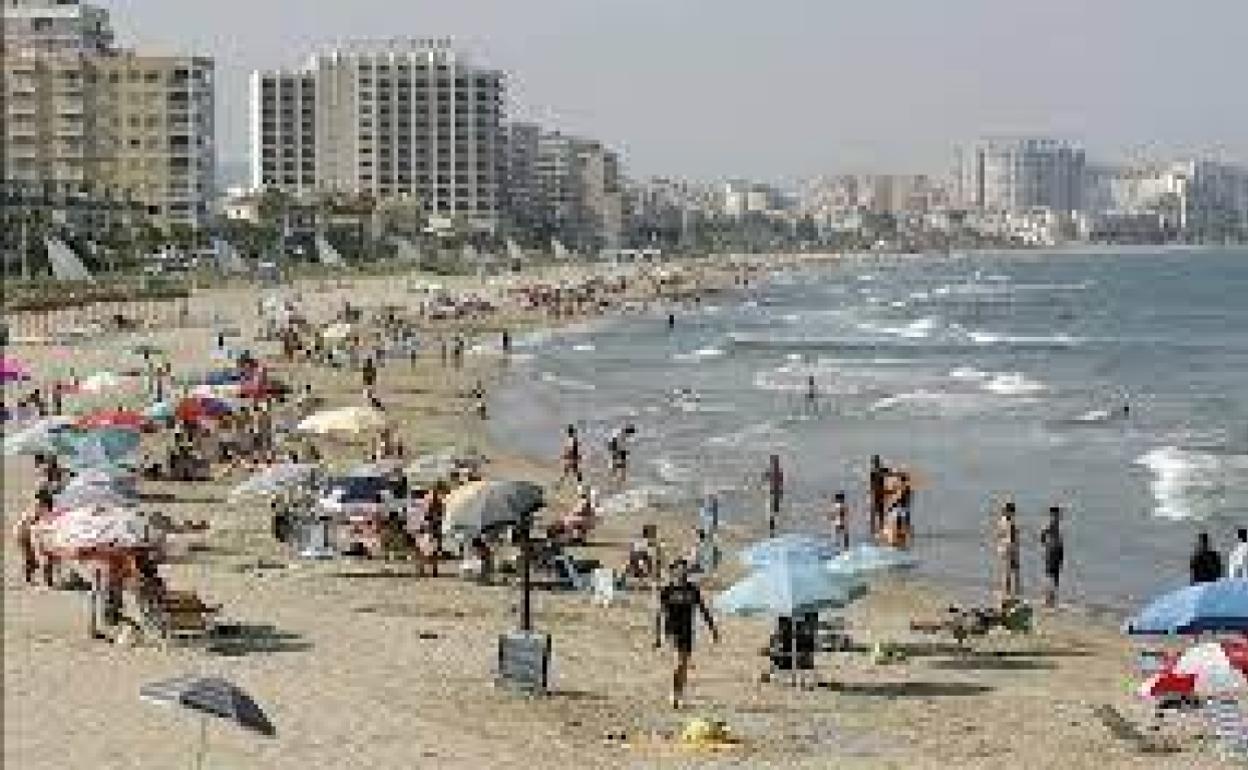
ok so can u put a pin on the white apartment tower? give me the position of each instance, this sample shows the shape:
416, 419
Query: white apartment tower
391, 119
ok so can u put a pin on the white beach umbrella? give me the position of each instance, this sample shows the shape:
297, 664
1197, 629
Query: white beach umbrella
350, 420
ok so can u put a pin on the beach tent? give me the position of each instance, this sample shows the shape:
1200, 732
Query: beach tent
481, 505
1217, 607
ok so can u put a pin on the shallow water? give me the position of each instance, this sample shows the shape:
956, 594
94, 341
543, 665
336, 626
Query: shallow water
987, 375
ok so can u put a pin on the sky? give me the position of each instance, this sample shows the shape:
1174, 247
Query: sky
783, 89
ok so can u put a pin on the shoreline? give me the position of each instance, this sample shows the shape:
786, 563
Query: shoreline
374, 667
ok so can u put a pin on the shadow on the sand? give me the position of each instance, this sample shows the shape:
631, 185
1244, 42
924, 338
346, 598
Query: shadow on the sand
910, 689
992, 663
171, 497
238, 639
580, 695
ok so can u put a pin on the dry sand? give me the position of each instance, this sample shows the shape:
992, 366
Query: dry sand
365, 665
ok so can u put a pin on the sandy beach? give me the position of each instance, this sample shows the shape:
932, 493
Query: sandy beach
360, 663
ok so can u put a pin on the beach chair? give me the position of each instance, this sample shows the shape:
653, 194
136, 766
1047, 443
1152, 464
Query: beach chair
1230, 724
569, 573
184, 615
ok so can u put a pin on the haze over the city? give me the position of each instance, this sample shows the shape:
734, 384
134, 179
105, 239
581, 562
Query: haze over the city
783, 89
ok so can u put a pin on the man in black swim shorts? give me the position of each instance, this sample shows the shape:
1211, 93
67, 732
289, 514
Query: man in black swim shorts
677, 602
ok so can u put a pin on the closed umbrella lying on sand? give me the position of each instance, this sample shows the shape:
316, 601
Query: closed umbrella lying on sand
1216, 607
209, 696
350, 420
481, 505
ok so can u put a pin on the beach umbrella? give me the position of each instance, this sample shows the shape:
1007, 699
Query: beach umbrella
262, 387
94, 490
336, 332
113, 418
222, 377
1209, 669
789, 587
159, 410
92, 530
102, 382
275, 479
13, 370
36, 438
792, 546
351, 420
867, 558
209, 697
100, 448
200, 408
481, 505
1220, 606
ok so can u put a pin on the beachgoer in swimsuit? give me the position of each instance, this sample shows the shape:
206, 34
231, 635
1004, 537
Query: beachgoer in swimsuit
1054, 547
840, 520
1008, 553
674, 620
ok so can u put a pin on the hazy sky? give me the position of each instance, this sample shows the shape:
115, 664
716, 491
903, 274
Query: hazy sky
779, 89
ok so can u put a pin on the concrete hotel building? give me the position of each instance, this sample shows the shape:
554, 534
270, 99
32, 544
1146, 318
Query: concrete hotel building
392, 119
87, 124
1021, 174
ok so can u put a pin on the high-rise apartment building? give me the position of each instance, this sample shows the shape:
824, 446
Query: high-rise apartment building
88, 126
1021, 174
392, 119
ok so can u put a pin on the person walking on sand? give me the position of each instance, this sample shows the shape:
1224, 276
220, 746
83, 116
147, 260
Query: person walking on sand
23, 533
571, 456
1008, 555
674, 620
1206, 563
840, 520
1237, 565
1053, 545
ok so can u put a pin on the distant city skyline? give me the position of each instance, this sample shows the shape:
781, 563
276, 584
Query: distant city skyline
782, 90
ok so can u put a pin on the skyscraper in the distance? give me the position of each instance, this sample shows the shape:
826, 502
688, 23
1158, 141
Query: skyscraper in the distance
89, 125
1018, 174
387, 119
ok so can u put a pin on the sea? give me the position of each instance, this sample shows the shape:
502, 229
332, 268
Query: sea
1113, 384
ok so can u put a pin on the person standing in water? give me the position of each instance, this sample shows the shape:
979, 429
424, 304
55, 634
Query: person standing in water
840, 520
1008, 553
1053, 546
571, 456
677, 602
878, 479
671, 321
774, 477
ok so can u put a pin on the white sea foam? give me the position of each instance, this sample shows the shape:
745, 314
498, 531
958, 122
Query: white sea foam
1189, 484
672, 472
584, 347
566, 383
1012, 384
917, 329
969, 373
994, 338
698, 355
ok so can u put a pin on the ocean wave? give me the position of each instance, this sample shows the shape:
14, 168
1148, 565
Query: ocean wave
1012, 384
1190, 484
584, 347
994, 338
699, 354
566, 383
671, 472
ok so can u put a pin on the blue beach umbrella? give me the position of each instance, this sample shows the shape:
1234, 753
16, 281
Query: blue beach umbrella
866, 558
1202, 608
222, 377
793, 546
786, 588
38, 438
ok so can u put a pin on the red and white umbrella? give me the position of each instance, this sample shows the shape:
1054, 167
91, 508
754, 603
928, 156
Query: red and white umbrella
1213, 668
97, 530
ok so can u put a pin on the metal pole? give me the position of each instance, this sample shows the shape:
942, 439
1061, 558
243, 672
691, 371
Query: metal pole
526, 582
